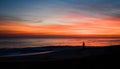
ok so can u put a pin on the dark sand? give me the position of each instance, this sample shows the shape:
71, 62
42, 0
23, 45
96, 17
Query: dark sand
76, 57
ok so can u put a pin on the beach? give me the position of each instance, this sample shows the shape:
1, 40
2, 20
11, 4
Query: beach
67, 56
74, 52
52, 53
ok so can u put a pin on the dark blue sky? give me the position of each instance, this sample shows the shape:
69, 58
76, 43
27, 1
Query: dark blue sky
28, 9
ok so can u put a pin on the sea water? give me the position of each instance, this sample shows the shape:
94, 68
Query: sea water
42, 42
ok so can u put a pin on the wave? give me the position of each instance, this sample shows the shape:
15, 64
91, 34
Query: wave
26, 54
32, 51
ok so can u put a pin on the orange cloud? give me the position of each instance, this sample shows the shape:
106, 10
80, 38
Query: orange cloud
83, 26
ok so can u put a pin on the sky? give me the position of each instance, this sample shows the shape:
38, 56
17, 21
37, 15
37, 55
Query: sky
60, 17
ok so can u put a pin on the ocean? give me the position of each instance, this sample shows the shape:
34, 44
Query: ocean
42, 42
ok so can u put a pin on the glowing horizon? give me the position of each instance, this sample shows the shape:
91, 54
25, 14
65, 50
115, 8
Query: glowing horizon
60, 18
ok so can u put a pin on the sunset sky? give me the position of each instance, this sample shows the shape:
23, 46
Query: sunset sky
60, 17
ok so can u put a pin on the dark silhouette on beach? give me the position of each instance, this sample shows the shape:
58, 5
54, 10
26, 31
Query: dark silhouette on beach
83, 44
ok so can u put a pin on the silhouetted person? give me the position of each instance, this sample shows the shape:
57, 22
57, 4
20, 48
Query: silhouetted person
83, 44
